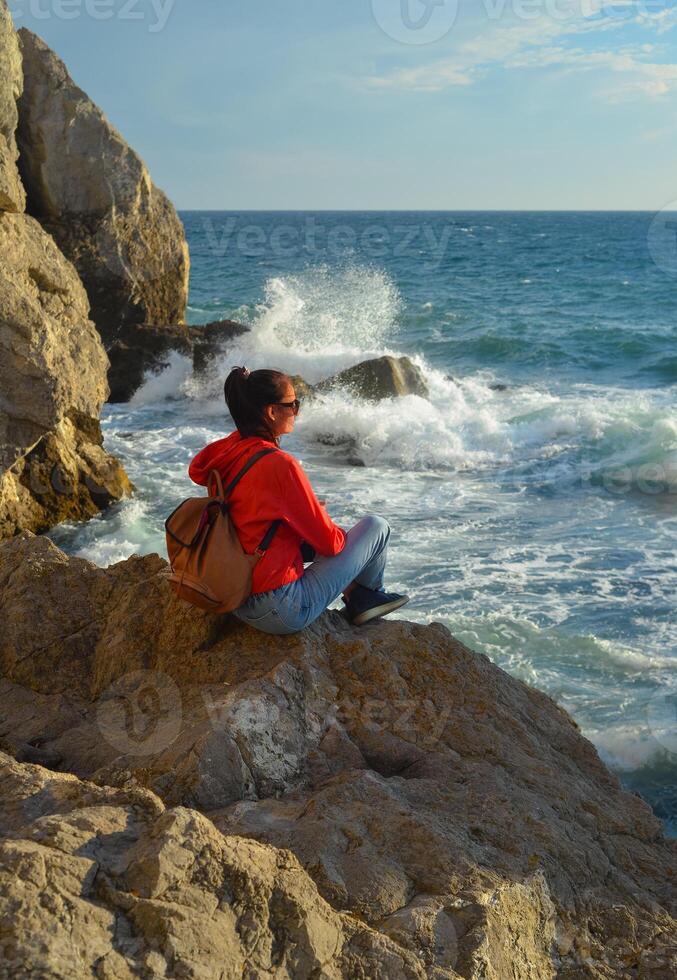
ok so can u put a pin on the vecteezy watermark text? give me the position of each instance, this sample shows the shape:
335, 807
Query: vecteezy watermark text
648, 478
426, 21
569, 10
315, 240
141, 712
661, 713
154, 13
662, 239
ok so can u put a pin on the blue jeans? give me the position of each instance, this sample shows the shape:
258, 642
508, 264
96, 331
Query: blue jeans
296, 604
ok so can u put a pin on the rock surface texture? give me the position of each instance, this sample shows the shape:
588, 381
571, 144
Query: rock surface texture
12, 196
449, 810
52, 362
98, 882
52, 385
92, 192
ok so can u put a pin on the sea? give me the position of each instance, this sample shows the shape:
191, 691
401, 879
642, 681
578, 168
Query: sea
532, 496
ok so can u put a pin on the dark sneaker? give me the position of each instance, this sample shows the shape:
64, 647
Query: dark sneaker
366, 604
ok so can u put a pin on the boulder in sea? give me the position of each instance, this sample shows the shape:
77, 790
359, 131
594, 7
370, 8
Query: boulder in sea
93, 193
213, 339
445, 805
12, 196
141, 350
382, 377
303, 390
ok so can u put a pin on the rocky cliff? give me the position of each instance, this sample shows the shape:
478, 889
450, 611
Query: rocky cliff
453, 814
52, 363
93, 193
12, 196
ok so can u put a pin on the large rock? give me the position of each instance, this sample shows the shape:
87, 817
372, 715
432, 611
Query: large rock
52, 385
303, 390
142, 350
447, 805
12, 197
52, 363
383, 377
212, 339
96, 882
92, 192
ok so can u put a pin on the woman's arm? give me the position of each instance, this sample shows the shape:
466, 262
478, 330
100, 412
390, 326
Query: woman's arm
303, 511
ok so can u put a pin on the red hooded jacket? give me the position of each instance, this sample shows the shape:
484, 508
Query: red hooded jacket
275, 487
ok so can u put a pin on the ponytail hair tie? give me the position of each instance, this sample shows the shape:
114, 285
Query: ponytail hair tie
244, 372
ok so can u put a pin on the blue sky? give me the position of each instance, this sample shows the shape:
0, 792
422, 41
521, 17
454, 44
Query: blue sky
393, 104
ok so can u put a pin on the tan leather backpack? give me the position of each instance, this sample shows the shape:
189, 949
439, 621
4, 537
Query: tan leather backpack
209, 567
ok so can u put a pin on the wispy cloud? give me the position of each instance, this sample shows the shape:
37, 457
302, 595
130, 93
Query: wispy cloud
550, 38
637, 76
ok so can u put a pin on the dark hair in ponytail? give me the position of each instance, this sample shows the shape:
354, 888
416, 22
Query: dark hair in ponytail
247, 394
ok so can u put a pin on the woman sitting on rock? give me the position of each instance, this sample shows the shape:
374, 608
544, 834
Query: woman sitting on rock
285, 595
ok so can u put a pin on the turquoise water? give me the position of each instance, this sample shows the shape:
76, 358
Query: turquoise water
536, 520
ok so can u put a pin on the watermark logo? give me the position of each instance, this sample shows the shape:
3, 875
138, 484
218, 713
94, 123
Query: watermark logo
421, 723
653, 479
662, 239
426, 21
661, 713
415, 21
128, 257
44, 481
315, 240
154, 14
140, 713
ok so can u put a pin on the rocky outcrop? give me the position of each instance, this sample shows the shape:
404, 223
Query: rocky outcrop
92, 192
382, 377
12, 197
302, 388
109, 883
52, 363
213, 339
373, 380
449, 807
141, 350
52, 385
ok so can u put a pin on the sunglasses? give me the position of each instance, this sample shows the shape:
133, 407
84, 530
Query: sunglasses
295, 405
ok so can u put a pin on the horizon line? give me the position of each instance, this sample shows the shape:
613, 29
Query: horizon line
425, 210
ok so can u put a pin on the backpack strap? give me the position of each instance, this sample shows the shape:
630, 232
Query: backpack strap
270, 534
215, 477
227, 490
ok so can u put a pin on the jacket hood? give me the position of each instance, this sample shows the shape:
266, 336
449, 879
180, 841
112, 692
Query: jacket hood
224, 455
